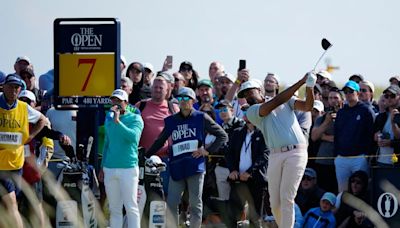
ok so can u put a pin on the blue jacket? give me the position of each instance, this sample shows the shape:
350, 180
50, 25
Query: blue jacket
187, 135
315, 218
354, 130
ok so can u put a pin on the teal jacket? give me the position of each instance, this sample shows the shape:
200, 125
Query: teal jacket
122, 140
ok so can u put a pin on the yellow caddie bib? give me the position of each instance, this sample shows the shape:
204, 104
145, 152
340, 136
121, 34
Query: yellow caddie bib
14, 131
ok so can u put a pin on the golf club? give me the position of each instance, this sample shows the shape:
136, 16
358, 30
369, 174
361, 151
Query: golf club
325, 45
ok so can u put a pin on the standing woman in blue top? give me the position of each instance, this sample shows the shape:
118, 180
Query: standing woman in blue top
187, 129
120, 160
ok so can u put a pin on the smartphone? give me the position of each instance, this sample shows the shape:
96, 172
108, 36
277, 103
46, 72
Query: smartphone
242, 64
169, 61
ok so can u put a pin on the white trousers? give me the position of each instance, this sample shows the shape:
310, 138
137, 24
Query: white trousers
346, 166
121, 188
285, 171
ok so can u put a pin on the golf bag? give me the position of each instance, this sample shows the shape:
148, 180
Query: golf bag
78, 178
151, 198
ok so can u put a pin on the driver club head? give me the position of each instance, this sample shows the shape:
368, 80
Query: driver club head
325, 44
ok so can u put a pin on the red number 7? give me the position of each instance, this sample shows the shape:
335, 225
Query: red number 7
87, 61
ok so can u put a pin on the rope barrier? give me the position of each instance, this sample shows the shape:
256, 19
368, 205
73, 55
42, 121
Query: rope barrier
210, 156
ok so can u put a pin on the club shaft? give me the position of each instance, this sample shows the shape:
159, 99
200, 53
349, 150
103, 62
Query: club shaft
320, 59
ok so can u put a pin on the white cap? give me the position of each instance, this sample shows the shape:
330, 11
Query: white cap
369, 84
250, 84
148, 66
28, 94
120, 94
23, 58
318, 105
228, 76
325, 74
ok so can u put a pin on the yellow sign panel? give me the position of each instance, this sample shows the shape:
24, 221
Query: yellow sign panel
86, 74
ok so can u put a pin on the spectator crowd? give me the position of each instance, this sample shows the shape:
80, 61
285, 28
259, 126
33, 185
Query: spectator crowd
236, 148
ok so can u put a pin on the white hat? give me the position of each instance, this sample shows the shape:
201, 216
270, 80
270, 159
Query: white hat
318, 105
28, 94
369, 84
23, 58
120, 94
228, 76
148, 66
250, 84
325, 74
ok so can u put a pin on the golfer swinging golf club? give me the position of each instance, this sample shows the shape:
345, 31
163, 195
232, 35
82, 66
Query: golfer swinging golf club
282, 133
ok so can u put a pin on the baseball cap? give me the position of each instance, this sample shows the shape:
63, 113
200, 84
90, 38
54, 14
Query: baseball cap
328, 83
14, 79
325, 74
352, 85
205, 82
228, 76
310, 172
330, 197
120, 94
251, 84
369, 84
148, 66
359, 76
28, 94
27, 70
23, 58
318, 105
393, 89
223, 103
185, 63
169, 78
186, 91
394, 78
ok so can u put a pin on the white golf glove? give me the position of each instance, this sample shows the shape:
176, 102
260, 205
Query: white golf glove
311, 79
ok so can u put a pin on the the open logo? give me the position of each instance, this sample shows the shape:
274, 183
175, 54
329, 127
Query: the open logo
387, 205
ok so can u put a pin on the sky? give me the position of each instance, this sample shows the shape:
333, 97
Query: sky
279, 36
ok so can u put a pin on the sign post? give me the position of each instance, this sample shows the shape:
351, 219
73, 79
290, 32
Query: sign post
86, 71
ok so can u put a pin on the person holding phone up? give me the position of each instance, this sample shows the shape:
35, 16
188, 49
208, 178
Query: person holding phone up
120, 171
386, 127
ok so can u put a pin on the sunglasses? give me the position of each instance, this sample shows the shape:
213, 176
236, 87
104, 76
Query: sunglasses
364, 90
183, 98
185, 69
348, 91
223, 109
389, 95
